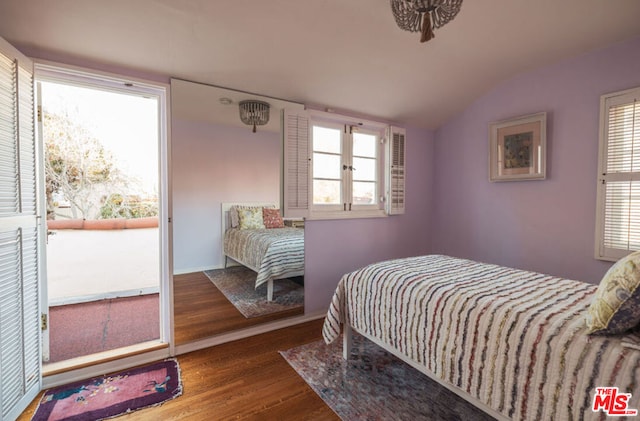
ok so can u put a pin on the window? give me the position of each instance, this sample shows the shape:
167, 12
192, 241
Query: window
365, 170
618, 213
346, 167
327, 146
341, 167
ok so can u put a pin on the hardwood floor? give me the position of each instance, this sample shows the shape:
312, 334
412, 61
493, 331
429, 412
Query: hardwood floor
246, 379
201, 310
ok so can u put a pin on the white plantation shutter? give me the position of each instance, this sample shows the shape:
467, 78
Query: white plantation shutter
396, 170
297, 179
296, 162
19, 294
27, 135
8, 134
618, 230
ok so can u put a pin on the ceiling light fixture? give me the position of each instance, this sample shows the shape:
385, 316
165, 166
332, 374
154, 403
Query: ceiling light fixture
253, 112
424, 15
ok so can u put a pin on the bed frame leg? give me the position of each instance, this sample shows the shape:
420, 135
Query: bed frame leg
347, 341
270, 290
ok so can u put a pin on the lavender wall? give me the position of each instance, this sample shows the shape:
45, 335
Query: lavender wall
212, 164
336, 247
546, 226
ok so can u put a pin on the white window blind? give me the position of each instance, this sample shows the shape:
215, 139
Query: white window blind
618, 230
20, 378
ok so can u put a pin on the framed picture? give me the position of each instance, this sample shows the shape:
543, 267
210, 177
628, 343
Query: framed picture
517, 148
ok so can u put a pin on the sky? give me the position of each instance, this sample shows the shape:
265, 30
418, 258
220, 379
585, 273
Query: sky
127, 125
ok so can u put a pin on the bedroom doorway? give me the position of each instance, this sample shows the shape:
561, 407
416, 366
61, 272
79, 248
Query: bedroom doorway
106, 250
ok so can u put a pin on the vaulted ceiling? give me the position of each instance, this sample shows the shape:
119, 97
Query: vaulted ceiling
346, 55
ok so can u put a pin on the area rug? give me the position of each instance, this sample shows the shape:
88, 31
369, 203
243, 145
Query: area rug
238, 285
109, 396
375, 385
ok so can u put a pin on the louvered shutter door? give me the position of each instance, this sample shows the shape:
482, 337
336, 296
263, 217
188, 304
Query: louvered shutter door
619, 186
8, 134
20, 378
296, 164
396, 171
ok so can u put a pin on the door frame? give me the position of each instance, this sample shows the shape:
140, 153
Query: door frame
44, 238
63, 73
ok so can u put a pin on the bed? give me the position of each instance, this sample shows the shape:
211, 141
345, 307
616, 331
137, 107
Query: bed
513, 343
273, 253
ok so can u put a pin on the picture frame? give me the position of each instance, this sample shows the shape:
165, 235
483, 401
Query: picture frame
517, 148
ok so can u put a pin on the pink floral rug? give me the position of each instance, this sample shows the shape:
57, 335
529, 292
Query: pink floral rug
375, 385
109, 396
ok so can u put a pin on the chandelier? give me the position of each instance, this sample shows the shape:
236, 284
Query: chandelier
424, 15
254, 113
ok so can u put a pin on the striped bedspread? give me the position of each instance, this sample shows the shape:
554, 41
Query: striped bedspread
511, 339
273, 253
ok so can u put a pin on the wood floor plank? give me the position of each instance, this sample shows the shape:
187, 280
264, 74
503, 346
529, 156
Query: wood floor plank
201, 310
241, 380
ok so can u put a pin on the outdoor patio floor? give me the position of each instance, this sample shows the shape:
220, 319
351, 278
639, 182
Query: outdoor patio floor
102, 289
85, 265
82, 329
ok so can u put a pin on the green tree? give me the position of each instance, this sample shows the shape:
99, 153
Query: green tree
117, 205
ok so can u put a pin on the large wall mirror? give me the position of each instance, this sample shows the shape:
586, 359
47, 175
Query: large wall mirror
224, 175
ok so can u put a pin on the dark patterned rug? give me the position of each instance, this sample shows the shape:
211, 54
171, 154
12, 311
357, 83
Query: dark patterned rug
238, 285
375, 385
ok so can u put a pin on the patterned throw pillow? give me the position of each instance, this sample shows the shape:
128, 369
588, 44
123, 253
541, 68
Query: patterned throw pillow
250, 218
233, 212
235, 219
615, 307
272, 218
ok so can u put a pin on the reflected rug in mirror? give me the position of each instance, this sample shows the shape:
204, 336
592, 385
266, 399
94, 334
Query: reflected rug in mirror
375, 385
112, 395
238, 285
